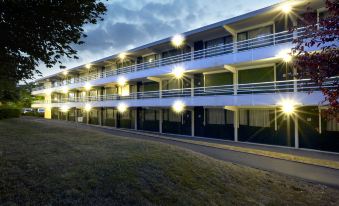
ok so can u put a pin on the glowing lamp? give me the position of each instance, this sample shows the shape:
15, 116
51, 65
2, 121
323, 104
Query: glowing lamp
286, 8
285, 55
65, 90
288, 106
64, 108
122, 55
178, 72
178, 106
87, 107
122, 81
88, 66
88, 86
177, 40
65, 72
122, 107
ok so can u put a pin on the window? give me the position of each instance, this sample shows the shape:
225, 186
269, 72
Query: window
215, 116
259, 118
150, 115
332, 125
229, 117
171, 116
243, 118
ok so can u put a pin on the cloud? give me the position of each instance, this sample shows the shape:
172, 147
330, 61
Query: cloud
130, 23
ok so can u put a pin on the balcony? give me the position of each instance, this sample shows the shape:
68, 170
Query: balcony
244, 90
231, 48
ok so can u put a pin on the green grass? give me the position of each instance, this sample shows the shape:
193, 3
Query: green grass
56, 165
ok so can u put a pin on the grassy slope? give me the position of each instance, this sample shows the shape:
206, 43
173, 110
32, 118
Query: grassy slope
40, 163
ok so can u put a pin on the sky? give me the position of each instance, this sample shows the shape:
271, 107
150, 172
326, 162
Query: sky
131, 23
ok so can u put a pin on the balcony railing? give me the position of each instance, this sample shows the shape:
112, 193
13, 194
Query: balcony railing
262, 41
303, 85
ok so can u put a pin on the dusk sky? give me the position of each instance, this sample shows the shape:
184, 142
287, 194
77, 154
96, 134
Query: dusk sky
131, 23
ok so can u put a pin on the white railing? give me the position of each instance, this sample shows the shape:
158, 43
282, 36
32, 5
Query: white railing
262, 41
303, 85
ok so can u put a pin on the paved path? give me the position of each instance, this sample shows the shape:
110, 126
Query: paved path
307, 172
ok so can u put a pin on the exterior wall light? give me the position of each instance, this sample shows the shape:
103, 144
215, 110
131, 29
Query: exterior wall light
88, 66
122, 107
65, 72
286, 8
48, 91
65, 90
87, 107
122, 56
177, 40
288, 106
64, 108
88, 86
178, 106
178, 72
285, 55
122, 81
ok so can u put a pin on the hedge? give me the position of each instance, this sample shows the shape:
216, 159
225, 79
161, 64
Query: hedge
9, 112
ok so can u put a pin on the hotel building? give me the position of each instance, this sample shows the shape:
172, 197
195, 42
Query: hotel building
230, 80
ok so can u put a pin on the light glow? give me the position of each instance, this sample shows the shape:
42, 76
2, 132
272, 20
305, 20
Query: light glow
88, 86
286, 8
48, 91
288, 106
88, 66
65, 90
65, 72
178, 72
64, 108
122, 56
178, 106
122, 107
177, 40
285, 55
122, 81
87, 107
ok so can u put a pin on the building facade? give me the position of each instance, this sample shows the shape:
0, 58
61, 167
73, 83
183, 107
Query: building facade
230, 80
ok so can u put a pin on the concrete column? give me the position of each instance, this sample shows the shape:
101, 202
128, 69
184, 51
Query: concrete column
100, 116
87, 117
192, 86
236, 124
295, 83
235, 82
296, 132
75, 114
136, 119
160, 120
275, 120
192, 123
160, 88
320, 121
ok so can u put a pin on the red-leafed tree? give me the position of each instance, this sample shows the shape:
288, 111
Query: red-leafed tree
320, 66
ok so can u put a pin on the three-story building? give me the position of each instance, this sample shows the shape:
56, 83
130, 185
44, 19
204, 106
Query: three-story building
229, 80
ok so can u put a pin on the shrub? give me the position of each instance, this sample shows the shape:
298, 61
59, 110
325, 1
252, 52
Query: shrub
8, 112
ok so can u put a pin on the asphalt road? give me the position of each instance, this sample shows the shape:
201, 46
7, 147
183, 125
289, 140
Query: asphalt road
311, 173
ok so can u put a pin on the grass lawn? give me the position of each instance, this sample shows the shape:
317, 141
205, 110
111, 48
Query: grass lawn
43, 164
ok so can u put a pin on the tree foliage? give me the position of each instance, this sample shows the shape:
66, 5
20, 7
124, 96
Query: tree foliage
322, 64
34, 32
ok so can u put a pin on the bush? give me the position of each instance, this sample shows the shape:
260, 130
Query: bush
9, 112
33, 114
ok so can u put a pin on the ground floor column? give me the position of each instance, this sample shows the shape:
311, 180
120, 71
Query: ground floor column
236, 124
100, 116
192, 123
160, 120
136, 119
296, 132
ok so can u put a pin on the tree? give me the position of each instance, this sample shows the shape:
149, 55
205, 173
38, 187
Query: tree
320, 65
34, 32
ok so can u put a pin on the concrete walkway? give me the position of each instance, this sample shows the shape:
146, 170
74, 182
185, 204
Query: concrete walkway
311, 173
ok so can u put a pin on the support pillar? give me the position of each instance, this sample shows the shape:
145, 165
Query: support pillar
100, 116
192, 123
136, 119
296, 132
236, 124
320, 121
87, 117
160, 120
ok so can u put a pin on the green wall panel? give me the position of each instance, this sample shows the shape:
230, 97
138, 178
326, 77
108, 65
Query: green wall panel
256, 75
218, 79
